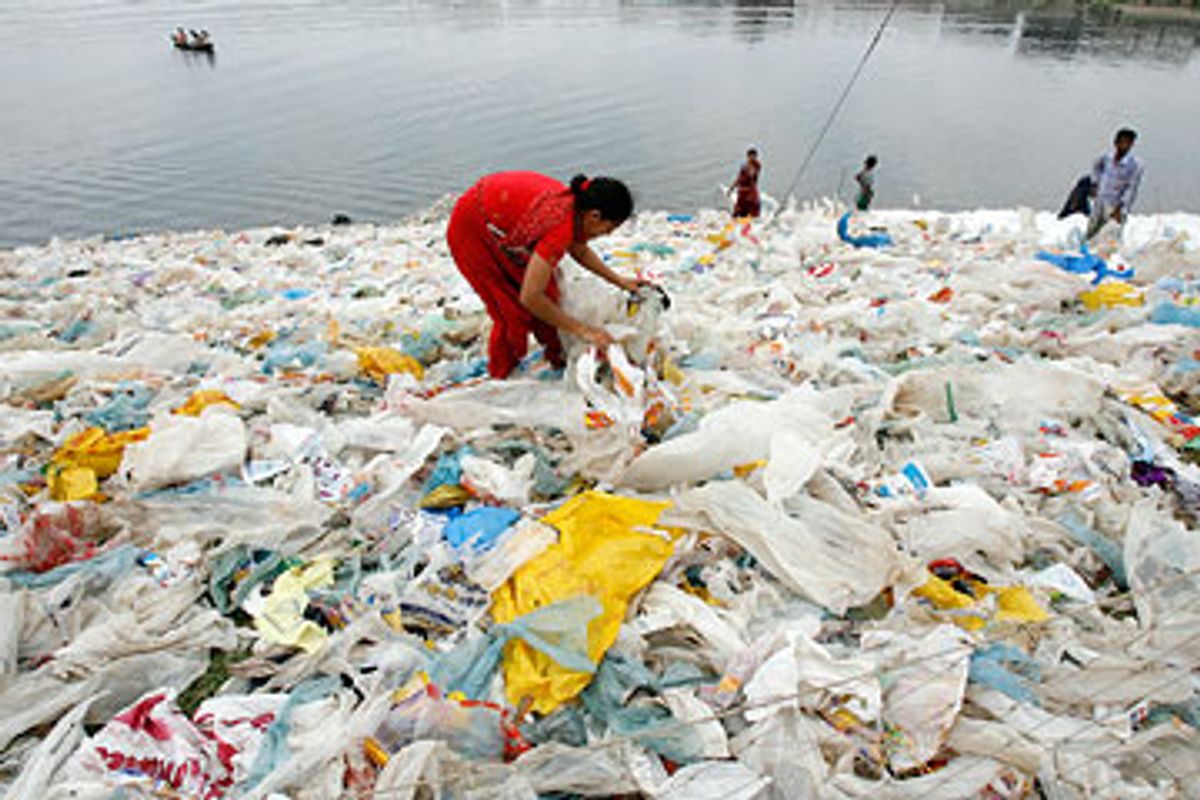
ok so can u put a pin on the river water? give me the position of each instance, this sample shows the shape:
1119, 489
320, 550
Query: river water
376, 109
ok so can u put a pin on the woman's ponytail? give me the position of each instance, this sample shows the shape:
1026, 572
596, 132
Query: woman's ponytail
609, 196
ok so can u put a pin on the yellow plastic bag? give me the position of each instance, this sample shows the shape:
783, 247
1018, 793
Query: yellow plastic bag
97, 450
1016, 604
1113, 293
202, 399
1013, 603
379, 362
604, 550
446, 496
282, 619
71, 483
85, 458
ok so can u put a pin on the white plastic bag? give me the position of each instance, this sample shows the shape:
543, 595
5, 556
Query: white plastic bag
926, 679
1162, 559
714, 780
742, 433
182, 448
805, 675
826, 555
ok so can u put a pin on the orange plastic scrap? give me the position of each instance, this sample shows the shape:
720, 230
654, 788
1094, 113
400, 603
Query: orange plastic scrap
595, 420
943, 295
379, 362
607, 549
202, 399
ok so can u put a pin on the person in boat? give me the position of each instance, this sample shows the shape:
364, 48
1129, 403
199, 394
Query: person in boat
507, 234
180, 37
748, 202
200, 40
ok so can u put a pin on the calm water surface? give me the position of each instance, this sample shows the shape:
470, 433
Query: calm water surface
377, 109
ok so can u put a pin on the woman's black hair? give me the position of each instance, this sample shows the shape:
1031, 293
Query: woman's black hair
609, 196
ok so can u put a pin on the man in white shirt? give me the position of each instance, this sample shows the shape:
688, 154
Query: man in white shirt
1115, 179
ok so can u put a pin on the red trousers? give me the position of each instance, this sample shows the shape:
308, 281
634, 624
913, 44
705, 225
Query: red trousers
748, 204
497, 281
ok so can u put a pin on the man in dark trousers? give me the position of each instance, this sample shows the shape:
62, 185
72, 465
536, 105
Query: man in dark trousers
866, 184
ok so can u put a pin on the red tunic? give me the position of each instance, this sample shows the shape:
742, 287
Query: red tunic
495, 228
748, 204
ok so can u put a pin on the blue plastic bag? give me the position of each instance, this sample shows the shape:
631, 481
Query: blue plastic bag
1171, 314
1084, 263
1109, 551
559, 630
1006, 669
480, 527
871, 240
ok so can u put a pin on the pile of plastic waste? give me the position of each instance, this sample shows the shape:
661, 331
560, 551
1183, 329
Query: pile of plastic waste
898, 505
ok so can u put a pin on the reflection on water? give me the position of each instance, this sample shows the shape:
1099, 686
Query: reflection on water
1072, 35
1062, 32
755, 20
198, 58
377, 108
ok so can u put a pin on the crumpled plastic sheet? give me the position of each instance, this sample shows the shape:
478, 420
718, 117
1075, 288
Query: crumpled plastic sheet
914, 519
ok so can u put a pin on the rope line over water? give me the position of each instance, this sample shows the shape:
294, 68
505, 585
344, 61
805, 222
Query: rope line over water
837, 107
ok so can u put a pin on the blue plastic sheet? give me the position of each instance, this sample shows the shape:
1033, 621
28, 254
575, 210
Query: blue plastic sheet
124, 411
1006, 669
274, 747
559, 630
424, 344
284, 355
467, 370
1171, 314
870, 240
1084, 263
1108, 550
447, 471
106, 567
607, 700
236, 572
546, 481
480, 527
76, 331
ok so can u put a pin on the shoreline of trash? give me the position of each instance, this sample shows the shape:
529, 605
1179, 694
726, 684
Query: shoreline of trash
897, 504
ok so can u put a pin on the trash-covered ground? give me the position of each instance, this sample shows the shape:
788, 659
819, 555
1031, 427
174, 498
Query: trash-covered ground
914, 518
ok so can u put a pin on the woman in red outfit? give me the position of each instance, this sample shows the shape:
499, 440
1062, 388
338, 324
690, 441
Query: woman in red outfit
746, 185
507, 234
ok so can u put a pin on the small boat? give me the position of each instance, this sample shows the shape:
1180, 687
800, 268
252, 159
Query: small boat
194, 47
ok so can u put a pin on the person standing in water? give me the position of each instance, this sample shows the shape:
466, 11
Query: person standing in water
507, 234
1115, 180
866, 184
748, 202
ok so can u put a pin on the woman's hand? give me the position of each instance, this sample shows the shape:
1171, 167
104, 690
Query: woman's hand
633, 283
597, 337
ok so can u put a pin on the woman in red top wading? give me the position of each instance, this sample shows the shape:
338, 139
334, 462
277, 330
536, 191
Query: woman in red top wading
507, 234
746, 186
